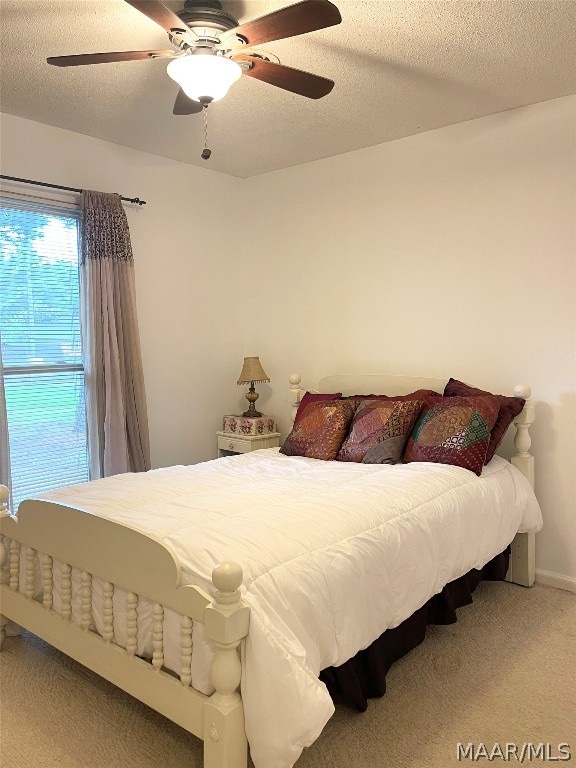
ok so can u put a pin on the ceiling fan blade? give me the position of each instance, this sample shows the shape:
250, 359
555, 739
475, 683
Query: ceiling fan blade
158, 12
185, 105
293, 20
295, 80
105, 58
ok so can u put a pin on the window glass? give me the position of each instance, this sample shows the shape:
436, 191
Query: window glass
41, 350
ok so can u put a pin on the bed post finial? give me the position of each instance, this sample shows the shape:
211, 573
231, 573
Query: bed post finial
227, 578
295, 394
4, 497
226, 621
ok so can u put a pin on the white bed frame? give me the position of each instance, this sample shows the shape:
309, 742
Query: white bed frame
98, 548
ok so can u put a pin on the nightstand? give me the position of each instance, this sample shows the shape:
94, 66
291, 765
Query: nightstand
229, 444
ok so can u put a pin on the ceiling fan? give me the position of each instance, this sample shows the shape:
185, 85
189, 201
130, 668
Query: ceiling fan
213, 50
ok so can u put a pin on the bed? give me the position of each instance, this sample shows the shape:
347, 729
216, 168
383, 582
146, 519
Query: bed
250, 573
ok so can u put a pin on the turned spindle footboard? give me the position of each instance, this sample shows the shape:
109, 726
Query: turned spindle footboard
45, 536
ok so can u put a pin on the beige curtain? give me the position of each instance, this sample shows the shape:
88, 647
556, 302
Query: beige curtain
115, 398
5, 473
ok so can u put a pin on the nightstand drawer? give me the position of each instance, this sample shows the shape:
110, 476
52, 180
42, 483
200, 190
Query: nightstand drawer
235, 444
230, 444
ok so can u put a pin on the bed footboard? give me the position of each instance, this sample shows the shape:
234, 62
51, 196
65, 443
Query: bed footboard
145, 568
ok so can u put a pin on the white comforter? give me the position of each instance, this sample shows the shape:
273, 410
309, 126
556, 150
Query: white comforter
333, 554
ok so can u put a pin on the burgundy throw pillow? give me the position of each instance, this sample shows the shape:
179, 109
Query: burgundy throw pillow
508, 409
379, 431
419, 394
313, 397
453, 430
319, 432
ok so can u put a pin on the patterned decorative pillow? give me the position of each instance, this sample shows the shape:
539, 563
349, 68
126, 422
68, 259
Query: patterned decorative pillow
312, 397
453, 430
319, 432
419, 394
508, 409
379, 431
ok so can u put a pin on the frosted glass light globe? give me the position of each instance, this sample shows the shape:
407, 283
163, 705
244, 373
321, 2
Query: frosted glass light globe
204, 75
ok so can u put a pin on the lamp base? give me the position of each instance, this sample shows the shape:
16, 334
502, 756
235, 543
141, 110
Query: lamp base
252, 396
252, 413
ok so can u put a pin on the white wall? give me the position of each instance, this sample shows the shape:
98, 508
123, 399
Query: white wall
186, 266
449, 253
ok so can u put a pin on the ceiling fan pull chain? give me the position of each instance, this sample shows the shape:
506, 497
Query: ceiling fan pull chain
205, 152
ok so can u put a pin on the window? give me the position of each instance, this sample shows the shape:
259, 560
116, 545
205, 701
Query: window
40, 327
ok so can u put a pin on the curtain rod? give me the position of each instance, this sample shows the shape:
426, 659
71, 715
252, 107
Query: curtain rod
135, 200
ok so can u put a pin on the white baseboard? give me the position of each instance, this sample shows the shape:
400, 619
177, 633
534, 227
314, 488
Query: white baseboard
556, 580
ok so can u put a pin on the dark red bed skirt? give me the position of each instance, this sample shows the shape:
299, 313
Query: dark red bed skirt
364, 676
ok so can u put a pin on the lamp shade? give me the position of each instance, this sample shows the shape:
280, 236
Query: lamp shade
252, 371
204, 75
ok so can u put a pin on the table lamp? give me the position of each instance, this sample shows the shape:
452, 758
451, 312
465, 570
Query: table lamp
252, 371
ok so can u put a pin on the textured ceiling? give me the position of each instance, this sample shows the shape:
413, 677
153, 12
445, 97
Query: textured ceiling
400, 67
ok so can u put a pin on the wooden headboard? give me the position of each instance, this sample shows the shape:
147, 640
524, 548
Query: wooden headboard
376, 383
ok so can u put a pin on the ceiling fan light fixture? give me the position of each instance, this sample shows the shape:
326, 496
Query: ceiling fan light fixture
205, 76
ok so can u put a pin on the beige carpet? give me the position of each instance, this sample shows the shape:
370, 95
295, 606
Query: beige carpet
506, 672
